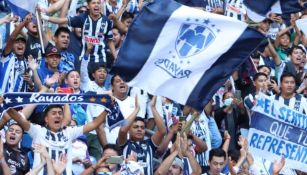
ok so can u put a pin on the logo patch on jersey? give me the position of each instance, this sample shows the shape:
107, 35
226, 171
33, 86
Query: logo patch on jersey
144, 146
93, 40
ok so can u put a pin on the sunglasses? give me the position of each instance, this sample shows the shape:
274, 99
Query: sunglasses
82, 11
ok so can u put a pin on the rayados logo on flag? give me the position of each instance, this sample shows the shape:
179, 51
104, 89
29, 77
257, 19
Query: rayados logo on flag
194, 36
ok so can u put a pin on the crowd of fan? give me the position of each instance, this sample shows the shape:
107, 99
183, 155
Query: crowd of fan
81, 43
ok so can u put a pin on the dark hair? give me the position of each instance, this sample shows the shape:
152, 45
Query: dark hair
12, 124
294, 48
262, 66
139, 119
126, 15
224, 95
92, 68
257, 75
113, 78
255, 55
234, 154
287, 33
60, 30
218, 152
49, 107
285, 75
114, 147
119, 31
74, 70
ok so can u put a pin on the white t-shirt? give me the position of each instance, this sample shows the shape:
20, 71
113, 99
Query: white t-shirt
55, 143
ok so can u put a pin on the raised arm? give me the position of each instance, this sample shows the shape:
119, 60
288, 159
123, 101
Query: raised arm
5, 168
67, 115
162, 148
28, 109
23, 122
45, 159
226, 143
6, 19
17, 30
168, 161
201, 146
123, 131
55, 20
278, 165
5, 118
275, 56
95, 123
65, 8
83, 69
283, 31
159, 134
101, 134
187, 153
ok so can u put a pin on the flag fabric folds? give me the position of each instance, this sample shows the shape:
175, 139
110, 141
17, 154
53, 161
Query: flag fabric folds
258, 10
22, 8
302, 25
183, 53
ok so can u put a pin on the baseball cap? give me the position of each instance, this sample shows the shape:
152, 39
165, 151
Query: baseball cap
21, 37
52, 51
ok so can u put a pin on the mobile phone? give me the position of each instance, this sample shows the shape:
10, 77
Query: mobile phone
237, 94
67, 90
115, 160
104, 173
27, 71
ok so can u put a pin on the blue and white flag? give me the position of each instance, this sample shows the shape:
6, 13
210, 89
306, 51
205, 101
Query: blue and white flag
115, 117
22, 8
183, 53
277, 130
258, 10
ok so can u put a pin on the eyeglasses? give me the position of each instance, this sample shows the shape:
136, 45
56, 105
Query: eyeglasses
82, 11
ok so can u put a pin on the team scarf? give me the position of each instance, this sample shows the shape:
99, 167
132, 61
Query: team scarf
114, 118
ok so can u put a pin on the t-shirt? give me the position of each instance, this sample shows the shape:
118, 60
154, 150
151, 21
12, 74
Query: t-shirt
96, 32
75, 47
33, 46
56, 143
145, 150
17, 162
11, 71
67, 61
43, 72
297, 102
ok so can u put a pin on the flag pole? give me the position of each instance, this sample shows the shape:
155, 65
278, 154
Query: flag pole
39, 28
188, 125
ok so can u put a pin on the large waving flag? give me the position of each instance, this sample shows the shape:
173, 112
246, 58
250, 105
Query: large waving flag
302, 25
21, 7
258, 10
183, 53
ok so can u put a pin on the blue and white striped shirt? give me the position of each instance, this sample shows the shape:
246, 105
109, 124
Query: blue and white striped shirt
12, 70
